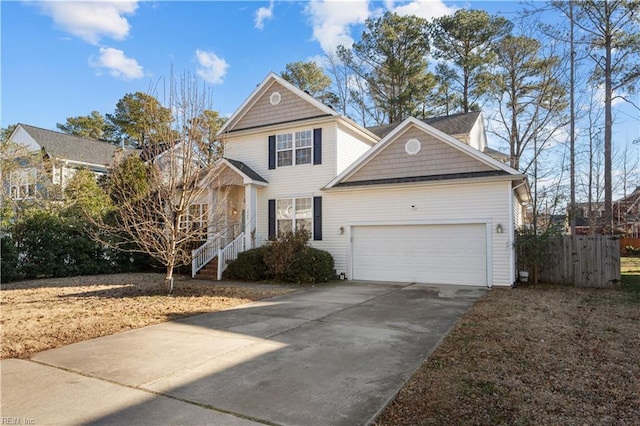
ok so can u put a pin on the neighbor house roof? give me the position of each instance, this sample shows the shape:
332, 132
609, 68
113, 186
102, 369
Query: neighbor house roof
500, 156
73, 148
455, 124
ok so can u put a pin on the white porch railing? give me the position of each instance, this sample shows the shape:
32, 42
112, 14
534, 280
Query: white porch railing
230, 252
204, 254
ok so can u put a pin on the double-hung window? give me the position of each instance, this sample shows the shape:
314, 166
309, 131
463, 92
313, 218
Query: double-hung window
23, 183
294, 148
284, 149
196, 220
293, 214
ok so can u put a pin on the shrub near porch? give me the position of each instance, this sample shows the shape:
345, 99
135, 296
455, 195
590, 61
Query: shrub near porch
287, 259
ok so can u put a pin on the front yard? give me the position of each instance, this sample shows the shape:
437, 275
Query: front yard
534, 355
48, 313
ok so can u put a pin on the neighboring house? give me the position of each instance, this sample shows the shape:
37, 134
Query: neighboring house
63, 154
626, 214
588, 218
411, 202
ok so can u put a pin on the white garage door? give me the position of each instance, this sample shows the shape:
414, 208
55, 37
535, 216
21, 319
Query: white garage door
437, 254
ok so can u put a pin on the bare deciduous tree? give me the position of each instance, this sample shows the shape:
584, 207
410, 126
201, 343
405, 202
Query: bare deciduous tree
162, 206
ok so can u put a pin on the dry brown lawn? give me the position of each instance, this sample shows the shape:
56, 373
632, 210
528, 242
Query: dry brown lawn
48, 313
534, 355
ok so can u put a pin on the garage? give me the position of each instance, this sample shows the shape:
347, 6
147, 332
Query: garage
430, 253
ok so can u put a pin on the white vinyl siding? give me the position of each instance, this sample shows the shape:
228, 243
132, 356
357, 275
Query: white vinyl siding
349, 149
304, 181
464, 202
518, 220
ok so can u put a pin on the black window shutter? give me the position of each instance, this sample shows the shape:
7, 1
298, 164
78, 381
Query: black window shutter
317, 146
272, 152
272, 219
317, 218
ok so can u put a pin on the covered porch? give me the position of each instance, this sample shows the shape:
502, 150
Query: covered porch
232, 213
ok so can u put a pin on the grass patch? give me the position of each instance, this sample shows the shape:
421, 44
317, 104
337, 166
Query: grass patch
535, 355
630, 265
45, 314
630, 273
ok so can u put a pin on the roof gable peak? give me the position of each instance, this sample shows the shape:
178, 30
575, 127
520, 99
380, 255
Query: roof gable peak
299, 101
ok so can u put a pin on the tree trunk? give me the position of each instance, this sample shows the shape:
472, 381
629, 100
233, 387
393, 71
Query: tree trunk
572, 131
168, 279
608, 123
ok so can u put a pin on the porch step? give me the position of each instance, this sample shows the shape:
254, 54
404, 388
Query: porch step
209, 271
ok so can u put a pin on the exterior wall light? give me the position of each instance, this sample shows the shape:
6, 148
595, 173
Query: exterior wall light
341, 230
499, 229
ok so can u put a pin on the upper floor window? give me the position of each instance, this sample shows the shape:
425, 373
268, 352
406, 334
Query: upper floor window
23, 183
294, 148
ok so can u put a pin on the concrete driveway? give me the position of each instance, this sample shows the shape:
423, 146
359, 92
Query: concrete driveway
329, 355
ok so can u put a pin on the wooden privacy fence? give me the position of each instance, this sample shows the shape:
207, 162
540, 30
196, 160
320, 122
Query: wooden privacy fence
595, 261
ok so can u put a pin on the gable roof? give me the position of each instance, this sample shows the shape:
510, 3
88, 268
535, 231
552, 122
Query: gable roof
454, 124
272, 79
492, 166
151, 151
241, 171
72, 148
245, 170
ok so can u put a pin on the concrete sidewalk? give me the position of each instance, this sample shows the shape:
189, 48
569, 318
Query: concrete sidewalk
331, 355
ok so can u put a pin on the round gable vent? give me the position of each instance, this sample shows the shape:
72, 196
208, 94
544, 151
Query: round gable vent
275, 98
412, 147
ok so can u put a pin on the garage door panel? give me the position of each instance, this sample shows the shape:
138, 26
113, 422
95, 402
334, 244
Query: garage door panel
442, 254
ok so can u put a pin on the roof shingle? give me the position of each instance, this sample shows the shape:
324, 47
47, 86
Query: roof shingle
74, 148
454, 124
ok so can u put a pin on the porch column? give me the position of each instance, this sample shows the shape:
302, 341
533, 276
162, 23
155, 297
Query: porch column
213, 208
250, 203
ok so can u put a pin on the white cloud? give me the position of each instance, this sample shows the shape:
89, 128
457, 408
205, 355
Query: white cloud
263, 14
427, 9
91, 20
211, 68
117, 63
332, 21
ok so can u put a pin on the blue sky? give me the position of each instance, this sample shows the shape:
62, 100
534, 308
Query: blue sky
64, 59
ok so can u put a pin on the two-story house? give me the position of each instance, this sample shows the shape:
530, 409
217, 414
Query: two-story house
54, 158
411, 202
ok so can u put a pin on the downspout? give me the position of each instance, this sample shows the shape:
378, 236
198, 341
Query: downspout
514, 271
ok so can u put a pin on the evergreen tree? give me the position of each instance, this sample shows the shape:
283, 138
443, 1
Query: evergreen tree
92, 126
140, 120
391, 58
464, 42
